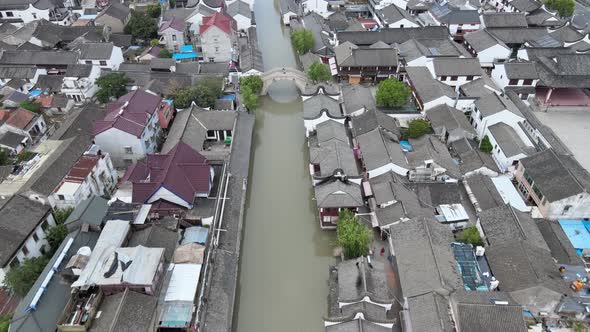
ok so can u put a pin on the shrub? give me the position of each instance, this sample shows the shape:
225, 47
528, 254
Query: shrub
486, 145
318, 72
471, 236
164, 53
417, 128
31, 106
21, 278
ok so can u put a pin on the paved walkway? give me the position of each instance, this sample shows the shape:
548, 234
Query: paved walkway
221, 291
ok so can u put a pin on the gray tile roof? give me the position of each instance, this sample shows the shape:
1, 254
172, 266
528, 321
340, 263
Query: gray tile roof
357, 96
509, 141
314, 106
49, 83
424, 257
359, 325
60, 58
457, 67
134, 312
414, 49
427, 88
11, 139
239, 7
356, 279
564, 71
117, 11
250, 54
156, 236
90, 211
429, 147
190, 127
490, 318
78, 70
525, 6
373, 119
567, 34
379, 148
22, 72
493, 103
543, 18
461, 17
519, 265
18, 219
338, 194
331, 130
485, 192
504, 20
332, 156
556, 176
503, 223
444, 118
392, 14
429, 312
479, 87
481, 40
518, 35
521, 70
162, 63
348, 56
96, 51
558, 242
392, 35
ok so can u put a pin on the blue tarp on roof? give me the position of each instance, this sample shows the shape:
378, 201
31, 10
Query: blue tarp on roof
186, 49
406, 146
578, 232
35, 93
195, 234
182, 56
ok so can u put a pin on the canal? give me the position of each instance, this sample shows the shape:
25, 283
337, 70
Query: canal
285, 256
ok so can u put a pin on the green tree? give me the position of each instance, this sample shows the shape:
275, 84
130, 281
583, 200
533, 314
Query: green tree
564, 8
254, 82
471, 236
4, 158
141, 26
318, 72
204, 94
164, 53
31, 106
61, 215
302, 40
5, 323
154, 10
250, 99
21, 278
55, 236
354, 237
417, 128
111, 85
392, 93
486, 145
154, 42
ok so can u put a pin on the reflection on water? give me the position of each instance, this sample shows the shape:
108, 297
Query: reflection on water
285, 254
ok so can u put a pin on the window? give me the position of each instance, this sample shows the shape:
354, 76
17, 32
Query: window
480, 117
25, 250
524, 96
528, 178
443, 78
61, 197
173, 37
103, 63
216, 49
35, 237
88, 62
128, 150
527, 82
34, 15
211, 59
470, 78
211, 134
43, 251
128, 162
14, 263
538, 193
513, 82
1, 15
44, 226
566, 209
453, 78
9, 14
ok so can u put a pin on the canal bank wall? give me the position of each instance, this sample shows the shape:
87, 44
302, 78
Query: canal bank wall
222, 284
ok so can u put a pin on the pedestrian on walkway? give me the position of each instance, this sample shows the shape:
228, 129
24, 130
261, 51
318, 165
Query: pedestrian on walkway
382, 251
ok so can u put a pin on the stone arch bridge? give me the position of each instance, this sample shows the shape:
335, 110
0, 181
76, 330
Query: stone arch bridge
284, 74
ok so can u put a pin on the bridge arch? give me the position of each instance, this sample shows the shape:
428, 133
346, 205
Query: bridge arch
284, 74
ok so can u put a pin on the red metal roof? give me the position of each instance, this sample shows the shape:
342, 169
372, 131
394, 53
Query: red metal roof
223, 22
130, 113
183, 171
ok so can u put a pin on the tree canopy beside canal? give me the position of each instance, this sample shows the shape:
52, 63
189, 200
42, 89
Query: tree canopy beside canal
204, 93
319, 72
302, 40
353, 236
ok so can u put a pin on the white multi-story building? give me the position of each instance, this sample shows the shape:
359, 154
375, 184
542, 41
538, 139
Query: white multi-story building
79, 82
131, 128
25, 11
92, 174
103, 55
